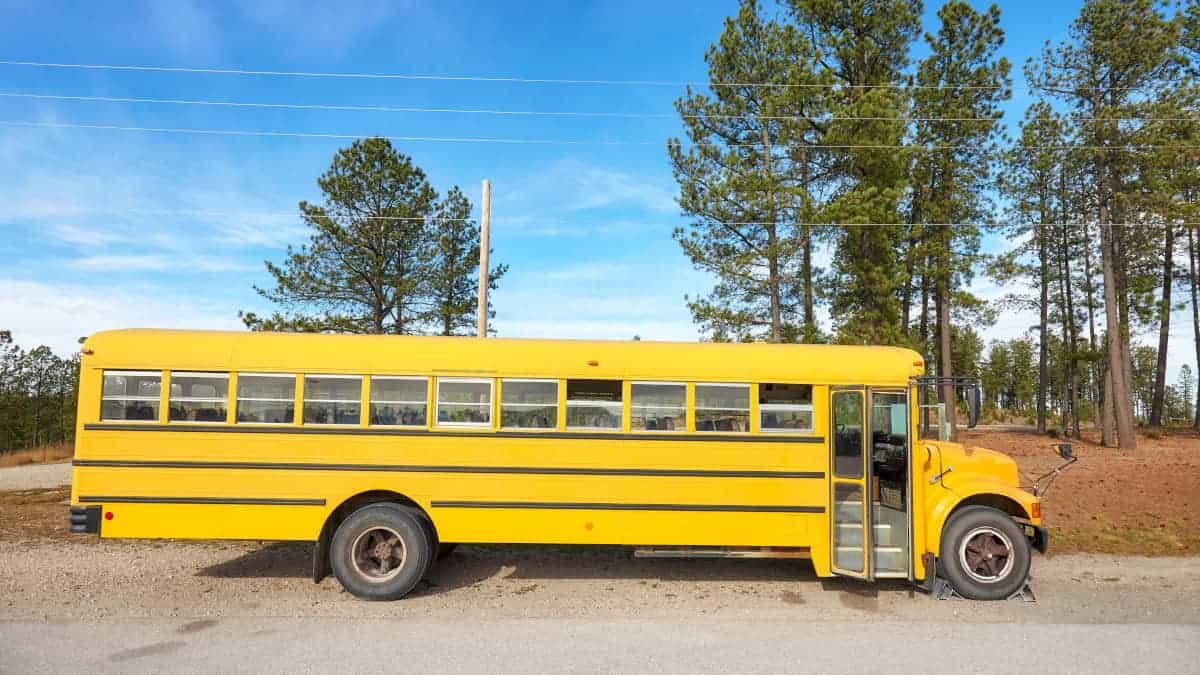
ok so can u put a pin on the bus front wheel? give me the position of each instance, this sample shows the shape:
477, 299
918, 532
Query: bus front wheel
985, 555
381, 551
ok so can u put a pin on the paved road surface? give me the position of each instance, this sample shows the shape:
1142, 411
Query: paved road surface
35, 476
693, 644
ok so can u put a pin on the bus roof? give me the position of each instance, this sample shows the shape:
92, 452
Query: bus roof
507, 357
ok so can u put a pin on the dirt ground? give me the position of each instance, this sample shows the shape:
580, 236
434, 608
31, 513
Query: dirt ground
1138, 502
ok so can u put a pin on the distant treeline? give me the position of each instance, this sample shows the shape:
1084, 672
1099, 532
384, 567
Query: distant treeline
1009, 374
38, 393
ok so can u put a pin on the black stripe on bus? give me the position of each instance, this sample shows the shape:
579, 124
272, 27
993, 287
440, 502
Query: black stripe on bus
434, 468
254, 501
616, 506
703, 436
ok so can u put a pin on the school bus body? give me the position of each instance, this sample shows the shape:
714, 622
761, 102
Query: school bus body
224, 479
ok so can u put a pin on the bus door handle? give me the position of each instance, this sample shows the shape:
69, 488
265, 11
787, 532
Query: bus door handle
935, 479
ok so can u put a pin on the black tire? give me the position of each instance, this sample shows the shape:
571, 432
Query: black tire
394, 551
432, 537
444, 551
985, 555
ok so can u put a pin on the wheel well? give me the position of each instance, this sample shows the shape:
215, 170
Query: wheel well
999, 502
321, 567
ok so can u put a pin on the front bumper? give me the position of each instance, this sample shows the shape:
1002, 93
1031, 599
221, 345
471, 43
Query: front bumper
85, 519
1038, 537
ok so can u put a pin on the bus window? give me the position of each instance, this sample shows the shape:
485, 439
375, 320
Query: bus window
723, 407
658, 406
785, 407
199, 397
848, 434
130, 395
594, 404
464, 402
332, 399
399, 401
266, 399
529, 404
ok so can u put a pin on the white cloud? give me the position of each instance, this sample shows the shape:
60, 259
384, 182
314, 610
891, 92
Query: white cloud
158, 263
57, 315
119, 208
570, 197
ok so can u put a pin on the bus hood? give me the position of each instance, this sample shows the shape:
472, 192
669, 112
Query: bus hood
979, 462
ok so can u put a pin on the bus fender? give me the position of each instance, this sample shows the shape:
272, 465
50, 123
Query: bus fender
1014, 501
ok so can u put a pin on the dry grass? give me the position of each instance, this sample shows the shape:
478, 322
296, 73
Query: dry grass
47, 453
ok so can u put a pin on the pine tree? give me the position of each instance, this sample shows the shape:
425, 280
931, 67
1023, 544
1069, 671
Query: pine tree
453, 280
1033, 168
960, 87
381, 257
1118, 52
862, 48
743, 180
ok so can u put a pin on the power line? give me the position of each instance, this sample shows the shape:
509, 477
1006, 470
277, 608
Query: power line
528, 113
551, 141
510, 79
406, 76
247, 214
291, 215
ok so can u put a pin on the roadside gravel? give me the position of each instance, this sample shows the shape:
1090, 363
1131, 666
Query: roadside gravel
89, 580
35, 476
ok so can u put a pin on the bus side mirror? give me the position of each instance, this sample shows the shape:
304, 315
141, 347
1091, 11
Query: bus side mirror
974, 403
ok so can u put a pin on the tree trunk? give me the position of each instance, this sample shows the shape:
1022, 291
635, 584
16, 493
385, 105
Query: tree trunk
810, 318
1090, 295
946, 366
1108, 424
773, 276
907, 287
1117, 392
1070, 362
924, 331
1194, 279
1043, 328
1164, 331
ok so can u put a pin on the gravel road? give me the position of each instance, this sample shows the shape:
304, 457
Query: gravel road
91, 579
35, 476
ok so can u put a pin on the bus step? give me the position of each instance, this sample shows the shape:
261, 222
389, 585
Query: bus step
721, 552
850, 534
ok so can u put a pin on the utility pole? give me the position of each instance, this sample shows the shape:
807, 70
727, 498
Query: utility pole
485, 221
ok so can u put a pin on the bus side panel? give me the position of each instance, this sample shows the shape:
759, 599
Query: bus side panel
213, 521
633, 528
724, 524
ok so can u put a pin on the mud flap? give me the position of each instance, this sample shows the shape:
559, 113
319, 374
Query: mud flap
320, 559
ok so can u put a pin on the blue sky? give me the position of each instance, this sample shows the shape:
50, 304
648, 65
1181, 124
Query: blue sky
96, 225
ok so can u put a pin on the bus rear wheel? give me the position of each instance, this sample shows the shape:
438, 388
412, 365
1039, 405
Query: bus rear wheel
381, 551
985, 555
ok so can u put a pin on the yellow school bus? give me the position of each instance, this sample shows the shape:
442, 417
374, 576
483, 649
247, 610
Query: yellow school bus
386, 451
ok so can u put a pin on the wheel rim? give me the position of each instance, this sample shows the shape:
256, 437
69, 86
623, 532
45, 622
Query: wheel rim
986, 555
378, 554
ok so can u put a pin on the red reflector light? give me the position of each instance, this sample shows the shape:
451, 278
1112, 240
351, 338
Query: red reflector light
108, 515
1036, 510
